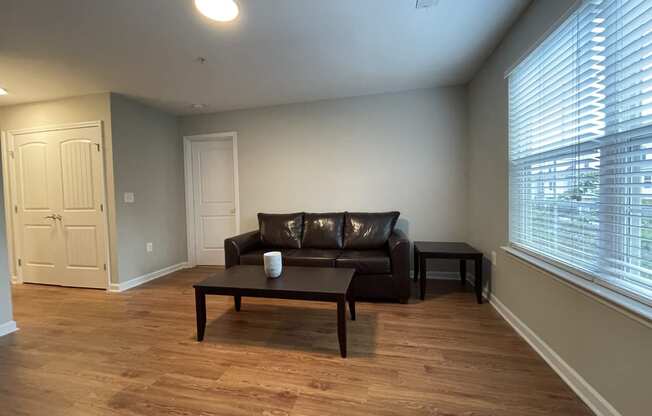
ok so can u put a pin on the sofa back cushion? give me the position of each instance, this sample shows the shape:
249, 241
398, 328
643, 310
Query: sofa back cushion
281, 230
323, 230
368, 230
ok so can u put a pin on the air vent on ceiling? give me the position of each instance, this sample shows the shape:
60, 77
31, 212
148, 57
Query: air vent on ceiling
422, 4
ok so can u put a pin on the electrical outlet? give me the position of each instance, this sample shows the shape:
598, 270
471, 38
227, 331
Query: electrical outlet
150, 247
129, 197
493, 258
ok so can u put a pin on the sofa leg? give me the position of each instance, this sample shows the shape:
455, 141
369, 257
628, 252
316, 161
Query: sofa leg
404, 300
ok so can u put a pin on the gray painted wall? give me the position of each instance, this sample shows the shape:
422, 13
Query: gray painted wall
148, 161
610, 350
93, 107
402, 151
5, 289
72, 110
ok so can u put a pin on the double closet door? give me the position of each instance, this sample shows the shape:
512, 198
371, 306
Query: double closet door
59, 203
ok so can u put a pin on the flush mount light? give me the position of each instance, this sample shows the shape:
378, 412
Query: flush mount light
424, 4
220, 10
3, 91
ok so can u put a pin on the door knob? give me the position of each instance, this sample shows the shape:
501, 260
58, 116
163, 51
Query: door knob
51, 217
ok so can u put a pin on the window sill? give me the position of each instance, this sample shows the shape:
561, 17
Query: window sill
628, 306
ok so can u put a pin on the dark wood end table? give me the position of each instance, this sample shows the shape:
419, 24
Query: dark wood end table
303, 283
424, 250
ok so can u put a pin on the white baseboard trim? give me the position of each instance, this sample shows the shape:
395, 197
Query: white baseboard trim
587, 393
16, 280
594, 400
8, 328
137, 281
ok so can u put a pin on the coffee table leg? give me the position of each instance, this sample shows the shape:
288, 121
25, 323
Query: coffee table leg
200, 306
462, 271
416, 264
341, 325
238, 302
478, 279
352, 308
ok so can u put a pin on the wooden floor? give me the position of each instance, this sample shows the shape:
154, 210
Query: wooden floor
88, 352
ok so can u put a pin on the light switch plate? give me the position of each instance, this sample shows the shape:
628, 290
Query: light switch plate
129, 197
493, 258
149, 247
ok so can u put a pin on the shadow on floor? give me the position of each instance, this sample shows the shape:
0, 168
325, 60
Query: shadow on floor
281, 326
441, 288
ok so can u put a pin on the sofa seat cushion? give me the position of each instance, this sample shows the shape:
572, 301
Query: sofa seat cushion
255, 257
311, 257
365, 261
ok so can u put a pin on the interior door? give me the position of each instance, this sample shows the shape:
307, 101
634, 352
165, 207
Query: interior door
213, 198
59, 190
36, 208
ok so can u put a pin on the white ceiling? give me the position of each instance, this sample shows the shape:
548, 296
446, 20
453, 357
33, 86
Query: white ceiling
277, 51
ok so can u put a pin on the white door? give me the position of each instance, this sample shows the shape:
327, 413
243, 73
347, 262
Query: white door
59, 202
214, 201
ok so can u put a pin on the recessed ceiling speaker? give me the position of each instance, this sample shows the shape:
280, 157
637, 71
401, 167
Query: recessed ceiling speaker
423, 4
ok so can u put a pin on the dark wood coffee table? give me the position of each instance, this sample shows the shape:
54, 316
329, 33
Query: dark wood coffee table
424, 250
304, 283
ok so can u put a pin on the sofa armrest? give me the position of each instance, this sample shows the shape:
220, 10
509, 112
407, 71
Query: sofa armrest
399, 252
238, 245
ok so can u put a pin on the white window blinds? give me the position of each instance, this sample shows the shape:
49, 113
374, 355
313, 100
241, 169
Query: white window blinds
580, 125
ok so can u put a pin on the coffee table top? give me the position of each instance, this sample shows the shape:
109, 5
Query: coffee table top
318, 280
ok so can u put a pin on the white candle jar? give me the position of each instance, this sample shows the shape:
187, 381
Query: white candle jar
273, 264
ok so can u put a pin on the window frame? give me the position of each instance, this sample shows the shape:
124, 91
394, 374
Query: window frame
589, 282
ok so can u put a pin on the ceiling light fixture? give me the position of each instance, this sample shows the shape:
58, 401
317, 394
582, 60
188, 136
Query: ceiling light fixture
220, 10
424, 4
3, 91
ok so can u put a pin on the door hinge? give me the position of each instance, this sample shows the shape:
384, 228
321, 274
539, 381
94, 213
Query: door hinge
101, 207
104, 266
11, 153
16, 209
98, 146
20, 262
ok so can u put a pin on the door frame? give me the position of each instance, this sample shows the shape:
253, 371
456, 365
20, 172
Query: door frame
190, 205
11, 197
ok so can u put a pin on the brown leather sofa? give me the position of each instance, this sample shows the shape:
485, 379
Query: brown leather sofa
367, 242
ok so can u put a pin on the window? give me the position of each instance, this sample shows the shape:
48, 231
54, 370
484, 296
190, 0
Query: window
580, 124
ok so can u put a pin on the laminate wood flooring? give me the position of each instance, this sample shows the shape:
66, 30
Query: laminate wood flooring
86, 352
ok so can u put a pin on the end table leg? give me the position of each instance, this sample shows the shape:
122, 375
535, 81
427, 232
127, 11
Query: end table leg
422, 261
200, 306
463, 271
416, 264
478, 279
352, 307
238, 302
341, 326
